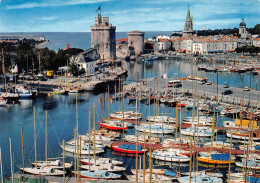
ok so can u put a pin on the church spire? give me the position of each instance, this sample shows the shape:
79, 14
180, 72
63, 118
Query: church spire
188, 13
188, 27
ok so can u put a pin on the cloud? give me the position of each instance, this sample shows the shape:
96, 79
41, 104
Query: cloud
54, 3
49, 18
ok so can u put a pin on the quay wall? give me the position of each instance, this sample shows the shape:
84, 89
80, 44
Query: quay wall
224, 98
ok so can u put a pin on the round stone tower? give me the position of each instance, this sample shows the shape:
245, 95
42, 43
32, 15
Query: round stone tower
136, 41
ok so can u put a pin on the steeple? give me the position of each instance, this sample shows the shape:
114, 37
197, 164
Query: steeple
188, 28
188, 13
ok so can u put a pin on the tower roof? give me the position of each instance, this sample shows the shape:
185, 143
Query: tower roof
242, 23
188, 14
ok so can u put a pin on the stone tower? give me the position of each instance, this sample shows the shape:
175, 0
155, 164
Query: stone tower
103, 38
136, 41
242, 30
188, 28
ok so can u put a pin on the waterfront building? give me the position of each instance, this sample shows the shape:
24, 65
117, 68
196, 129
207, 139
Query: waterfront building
198, 47
256, 42
187, 45
162, 45
86, 60
103, 38
188, 27
136, 41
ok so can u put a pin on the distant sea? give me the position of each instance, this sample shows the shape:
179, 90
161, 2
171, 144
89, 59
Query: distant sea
59, 40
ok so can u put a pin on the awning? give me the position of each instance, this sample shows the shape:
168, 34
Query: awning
181, 50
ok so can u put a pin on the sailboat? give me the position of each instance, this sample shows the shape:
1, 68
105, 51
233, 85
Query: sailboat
172, 156
12, 97
98, 174
2, 101
100, 161
41, 170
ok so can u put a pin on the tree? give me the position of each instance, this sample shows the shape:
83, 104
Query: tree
73, 69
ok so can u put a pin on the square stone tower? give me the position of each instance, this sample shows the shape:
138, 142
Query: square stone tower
103, 38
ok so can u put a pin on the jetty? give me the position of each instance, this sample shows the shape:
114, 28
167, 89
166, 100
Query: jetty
210, 92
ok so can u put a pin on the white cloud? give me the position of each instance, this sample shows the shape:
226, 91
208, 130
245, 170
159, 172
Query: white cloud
54, 3
49, 18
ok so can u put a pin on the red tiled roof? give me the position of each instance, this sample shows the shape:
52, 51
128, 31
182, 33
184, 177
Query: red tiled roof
163, 40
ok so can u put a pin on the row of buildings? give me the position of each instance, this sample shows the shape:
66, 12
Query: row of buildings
190, 43
105, 46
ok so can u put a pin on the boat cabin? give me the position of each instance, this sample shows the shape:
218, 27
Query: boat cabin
174, 83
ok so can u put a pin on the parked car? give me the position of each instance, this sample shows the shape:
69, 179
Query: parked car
227, 92
246, 89
226, 86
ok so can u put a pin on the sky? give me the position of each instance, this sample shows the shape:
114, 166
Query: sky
126, 15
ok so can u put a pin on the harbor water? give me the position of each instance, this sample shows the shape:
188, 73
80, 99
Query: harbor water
61, 116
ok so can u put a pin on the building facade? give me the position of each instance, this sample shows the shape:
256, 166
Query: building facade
103, 38
86, 60
256, 42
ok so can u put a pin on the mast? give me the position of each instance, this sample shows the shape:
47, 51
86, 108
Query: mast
176, 121
108, 101
22, 147
77, 118
136, 150
39, 62
46, 137
3, 67
97, 109
75, 154
2, 180
115, 98
150, 147
11, 159
241, 114
144, 160
212, 132
230, 158
94, 139
89, 130
35, 140
63, 144
123, 110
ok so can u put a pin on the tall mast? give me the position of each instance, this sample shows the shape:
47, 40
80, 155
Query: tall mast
3, 67
94, 139
176, 121
46, 137
2, 180
108, 101
150, 147
230, 158
123, 110
39, 62
11, 159
63, 144
115, 98
144, 160
77, 119
89, 130
22, 147
35, 141
136, 150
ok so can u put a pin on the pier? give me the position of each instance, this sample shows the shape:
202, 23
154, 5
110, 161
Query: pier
209, 92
